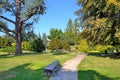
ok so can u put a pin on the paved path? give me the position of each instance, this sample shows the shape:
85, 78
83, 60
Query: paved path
69, 69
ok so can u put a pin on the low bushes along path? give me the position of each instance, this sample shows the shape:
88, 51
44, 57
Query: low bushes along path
69, 69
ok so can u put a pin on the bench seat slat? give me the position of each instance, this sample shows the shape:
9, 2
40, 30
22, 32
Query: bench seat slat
52, 65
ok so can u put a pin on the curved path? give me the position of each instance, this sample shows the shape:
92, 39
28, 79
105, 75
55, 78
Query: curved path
69, 69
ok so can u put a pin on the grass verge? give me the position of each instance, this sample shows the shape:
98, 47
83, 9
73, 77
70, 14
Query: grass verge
99, 68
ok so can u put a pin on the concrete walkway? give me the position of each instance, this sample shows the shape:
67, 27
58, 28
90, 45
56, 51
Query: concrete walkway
69, 69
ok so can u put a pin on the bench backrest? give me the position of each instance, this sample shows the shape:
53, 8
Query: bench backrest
52, 65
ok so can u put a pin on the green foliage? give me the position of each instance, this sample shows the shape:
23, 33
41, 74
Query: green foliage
25, 45
30, 45
37, 45
55, 44
100, 20
8, 50
83, 46
91, 46
72, 32
110, 48
55, 33
13, 44
65, 45
4, 42
102, 48
69, 35
28, 34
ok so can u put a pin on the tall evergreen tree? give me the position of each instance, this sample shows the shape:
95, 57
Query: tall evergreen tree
69, 29
72, 32
69, 35
76, 32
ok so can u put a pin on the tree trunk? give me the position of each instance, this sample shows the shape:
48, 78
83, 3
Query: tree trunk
18, 44
18, 26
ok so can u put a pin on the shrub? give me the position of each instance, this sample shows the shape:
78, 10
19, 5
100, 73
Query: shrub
30, 45
37, 45
13, 44
83, 46
65, 45
9, 50
55, 44
4, 42
101, 48
110, 48
25, 45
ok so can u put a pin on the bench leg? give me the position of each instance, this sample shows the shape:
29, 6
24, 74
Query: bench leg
47, 73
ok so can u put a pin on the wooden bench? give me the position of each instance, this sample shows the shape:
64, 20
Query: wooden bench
52, 68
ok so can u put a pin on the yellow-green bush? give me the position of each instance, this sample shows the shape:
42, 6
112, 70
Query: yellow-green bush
55, 44
102, 48
83, 46
4, 42
24, 45
13, 44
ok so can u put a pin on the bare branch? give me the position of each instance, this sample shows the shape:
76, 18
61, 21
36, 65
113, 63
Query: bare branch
7, 19
13, 11
5, 28
8, 33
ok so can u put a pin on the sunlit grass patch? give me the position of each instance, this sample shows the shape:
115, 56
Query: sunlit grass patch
99, 68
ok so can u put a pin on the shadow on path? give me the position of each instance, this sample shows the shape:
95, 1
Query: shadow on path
65, 75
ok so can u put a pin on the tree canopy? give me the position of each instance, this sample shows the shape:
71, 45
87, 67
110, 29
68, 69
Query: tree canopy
100, 20
55, 33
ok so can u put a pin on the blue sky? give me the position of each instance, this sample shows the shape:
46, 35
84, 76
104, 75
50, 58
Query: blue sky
58, 13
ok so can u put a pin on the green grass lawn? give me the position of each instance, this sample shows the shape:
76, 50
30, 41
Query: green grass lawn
99, 68
27, 67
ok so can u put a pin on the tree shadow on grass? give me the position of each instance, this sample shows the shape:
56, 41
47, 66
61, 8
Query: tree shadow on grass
6, 55
23, 72
93, 75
